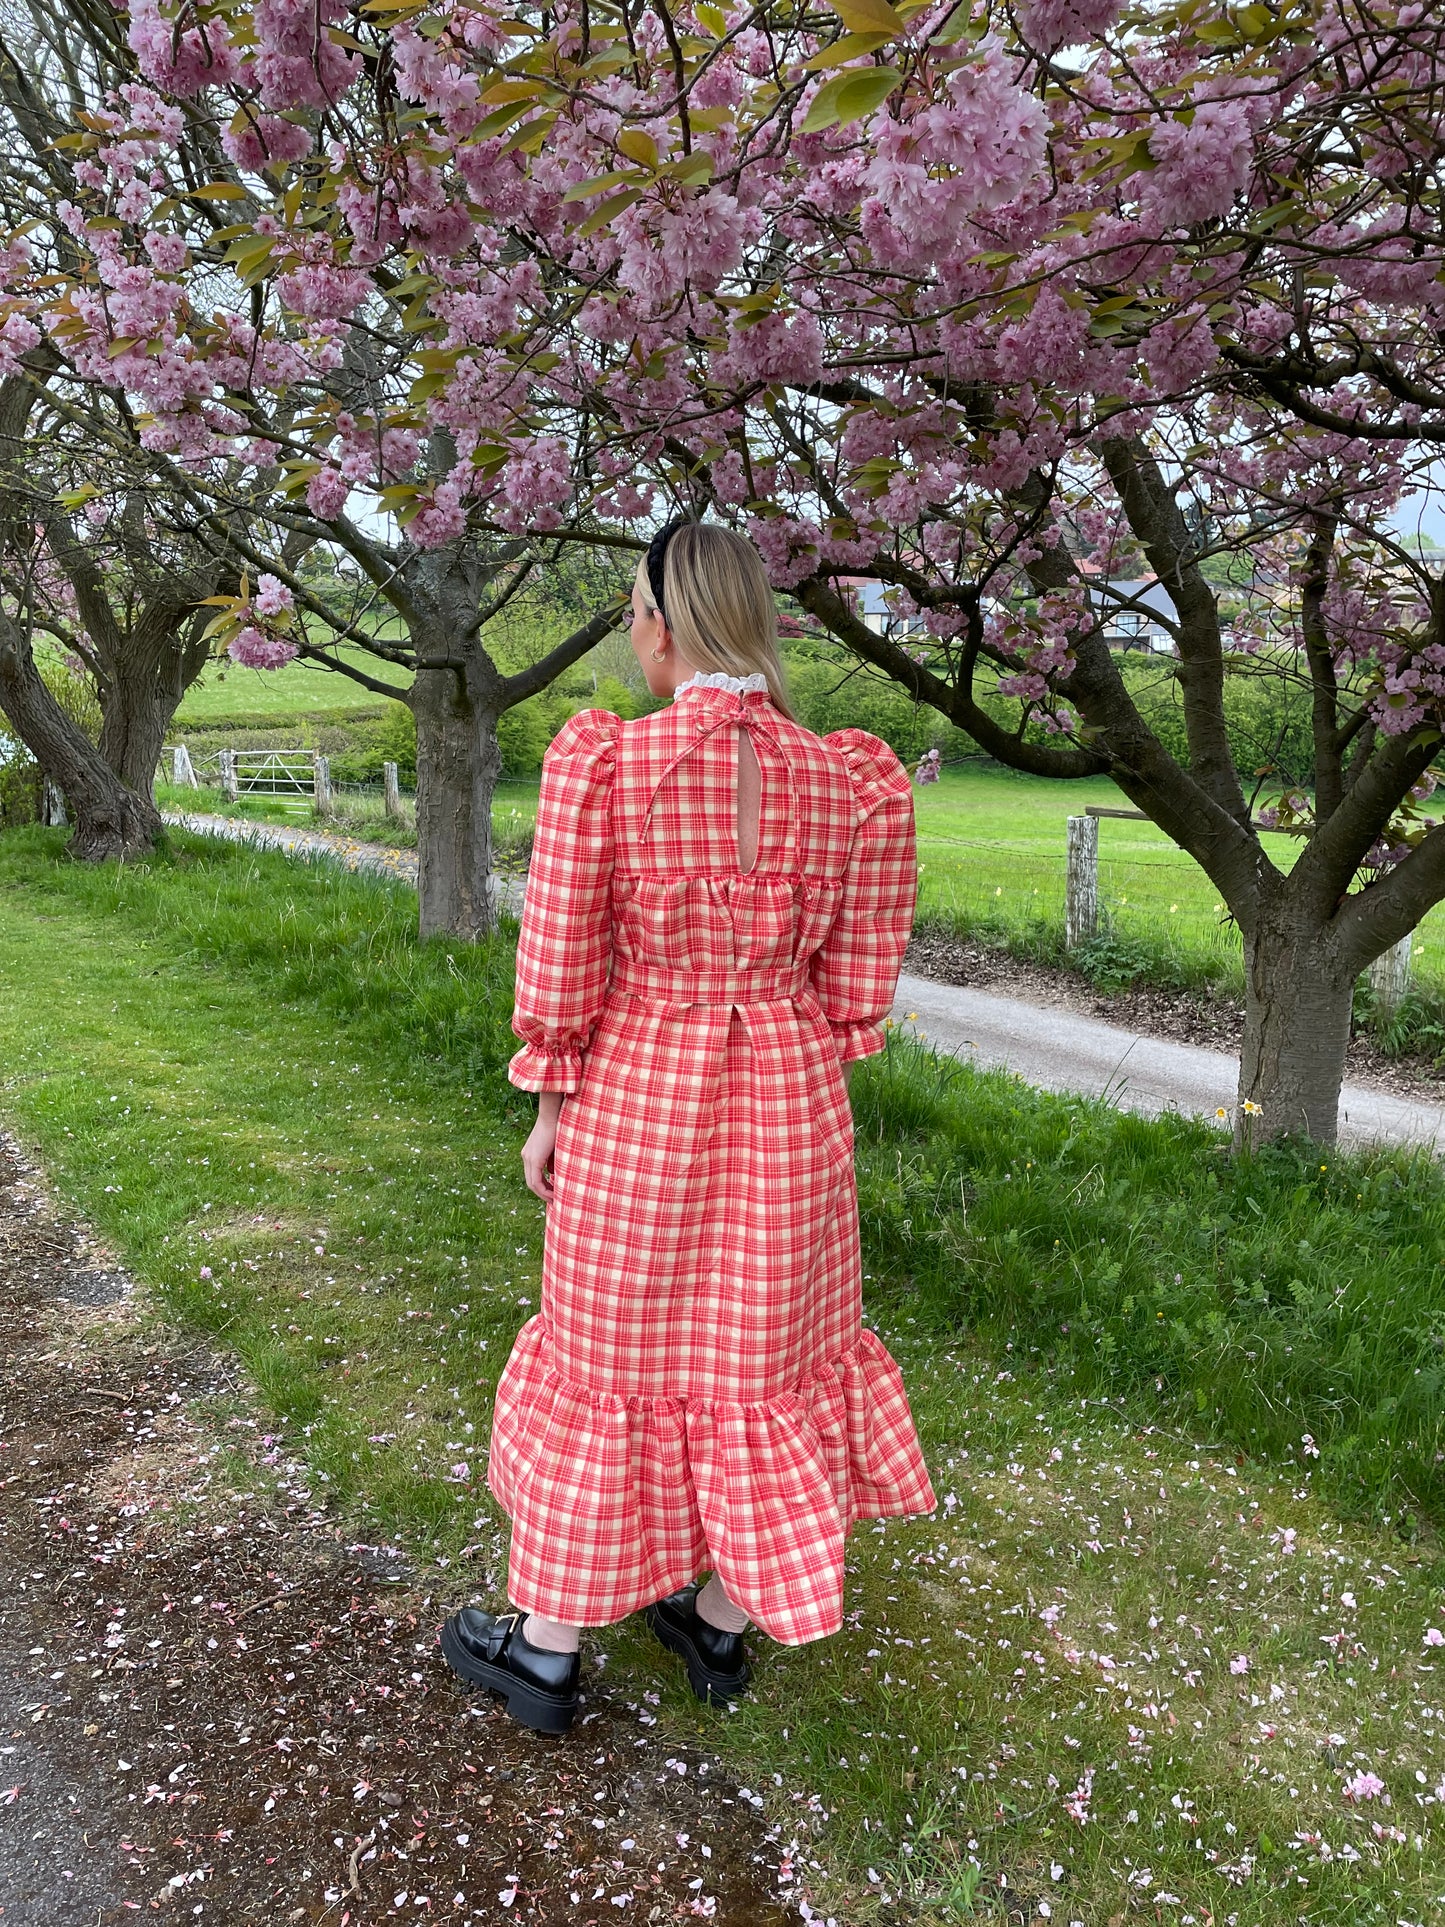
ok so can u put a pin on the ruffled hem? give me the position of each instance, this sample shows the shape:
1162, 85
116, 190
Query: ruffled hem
857, 1040
535, 1068
616, 1502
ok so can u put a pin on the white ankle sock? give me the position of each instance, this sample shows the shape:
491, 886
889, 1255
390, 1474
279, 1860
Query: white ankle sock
718, 1610
550, 1635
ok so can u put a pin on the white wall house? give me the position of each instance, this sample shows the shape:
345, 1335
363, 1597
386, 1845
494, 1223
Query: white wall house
1138, 613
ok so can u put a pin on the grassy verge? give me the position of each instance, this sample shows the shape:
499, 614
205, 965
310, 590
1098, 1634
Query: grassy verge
362, 815
1129, 1669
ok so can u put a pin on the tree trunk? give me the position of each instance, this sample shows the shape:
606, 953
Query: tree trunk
110, 820
457, 766
136, 716
148, 668
1296, 1030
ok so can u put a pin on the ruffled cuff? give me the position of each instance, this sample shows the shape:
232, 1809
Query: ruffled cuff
539, 1067
857, 1040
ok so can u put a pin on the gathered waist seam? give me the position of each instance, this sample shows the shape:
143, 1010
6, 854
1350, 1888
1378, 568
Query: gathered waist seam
702, 988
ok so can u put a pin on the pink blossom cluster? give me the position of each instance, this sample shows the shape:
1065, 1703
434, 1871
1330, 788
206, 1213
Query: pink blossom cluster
974, 149
253, 648
868, 341
1200, 164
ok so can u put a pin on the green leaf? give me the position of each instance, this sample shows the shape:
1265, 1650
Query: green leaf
848, 97
529, 138
580, 190
638, 146
955, 28
250, 248
298, 474
713, 18
524, 88
608, 211
690, 169
498, 122
848, 46
869, 16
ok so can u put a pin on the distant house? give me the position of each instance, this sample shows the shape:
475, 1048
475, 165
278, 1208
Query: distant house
1137, 613
871, 600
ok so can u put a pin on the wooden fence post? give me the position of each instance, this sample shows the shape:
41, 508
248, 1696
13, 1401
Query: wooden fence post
183, 770
1389, 974
391, 789
229, 780
321, 785
1081, 887
52, 805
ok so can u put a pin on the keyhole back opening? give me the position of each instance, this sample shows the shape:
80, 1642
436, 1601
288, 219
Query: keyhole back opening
749, 801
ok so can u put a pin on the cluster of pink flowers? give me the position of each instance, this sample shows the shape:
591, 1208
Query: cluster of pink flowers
604, 295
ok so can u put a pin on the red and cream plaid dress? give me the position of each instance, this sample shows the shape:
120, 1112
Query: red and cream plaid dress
698, 1389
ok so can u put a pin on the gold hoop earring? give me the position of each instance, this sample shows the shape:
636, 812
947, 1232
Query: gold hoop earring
658, 655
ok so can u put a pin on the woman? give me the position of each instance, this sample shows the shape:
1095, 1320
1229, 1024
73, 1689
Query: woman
716, 914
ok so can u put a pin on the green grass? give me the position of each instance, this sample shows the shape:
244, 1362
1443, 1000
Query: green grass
261, 698
362, 815
991, 856
244, 1068
992, 862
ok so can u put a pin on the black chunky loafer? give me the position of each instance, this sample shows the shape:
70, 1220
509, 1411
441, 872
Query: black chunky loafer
491, 1650
717, 1667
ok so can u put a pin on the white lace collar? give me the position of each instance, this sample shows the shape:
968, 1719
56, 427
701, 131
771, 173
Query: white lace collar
735, 685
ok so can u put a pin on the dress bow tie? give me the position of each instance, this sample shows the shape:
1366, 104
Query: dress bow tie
721, 709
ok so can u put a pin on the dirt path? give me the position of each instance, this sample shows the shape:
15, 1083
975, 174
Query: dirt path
212, 1704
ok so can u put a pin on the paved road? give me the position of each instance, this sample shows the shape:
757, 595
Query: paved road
58, 1830
1062, 1051
1055, 1049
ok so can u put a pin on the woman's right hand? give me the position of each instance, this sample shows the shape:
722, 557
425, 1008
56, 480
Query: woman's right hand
541, 1143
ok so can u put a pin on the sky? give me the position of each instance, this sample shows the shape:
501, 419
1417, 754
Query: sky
1422, 515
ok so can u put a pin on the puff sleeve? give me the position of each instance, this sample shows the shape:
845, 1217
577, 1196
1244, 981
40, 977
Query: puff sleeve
565, 949
855, 970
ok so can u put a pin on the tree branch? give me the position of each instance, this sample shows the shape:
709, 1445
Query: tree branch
526, 682
1329, 785
821, 599
1154, 516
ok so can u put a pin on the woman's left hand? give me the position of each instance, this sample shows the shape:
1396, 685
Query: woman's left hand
541, 1143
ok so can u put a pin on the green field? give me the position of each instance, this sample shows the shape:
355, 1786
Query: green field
991, 847
262, 698
991, 861
1148, 1630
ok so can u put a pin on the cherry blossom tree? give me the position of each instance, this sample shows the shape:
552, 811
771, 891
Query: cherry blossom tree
215, 363
963, 299
111, 820
111, 576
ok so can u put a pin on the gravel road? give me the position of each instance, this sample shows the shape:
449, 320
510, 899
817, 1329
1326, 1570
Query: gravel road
1059, 1050
353, 853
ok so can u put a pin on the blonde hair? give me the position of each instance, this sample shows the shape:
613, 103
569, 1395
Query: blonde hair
719, 605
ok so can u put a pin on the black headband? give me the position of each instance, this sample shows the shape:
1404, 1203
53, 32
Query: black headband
656, 551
